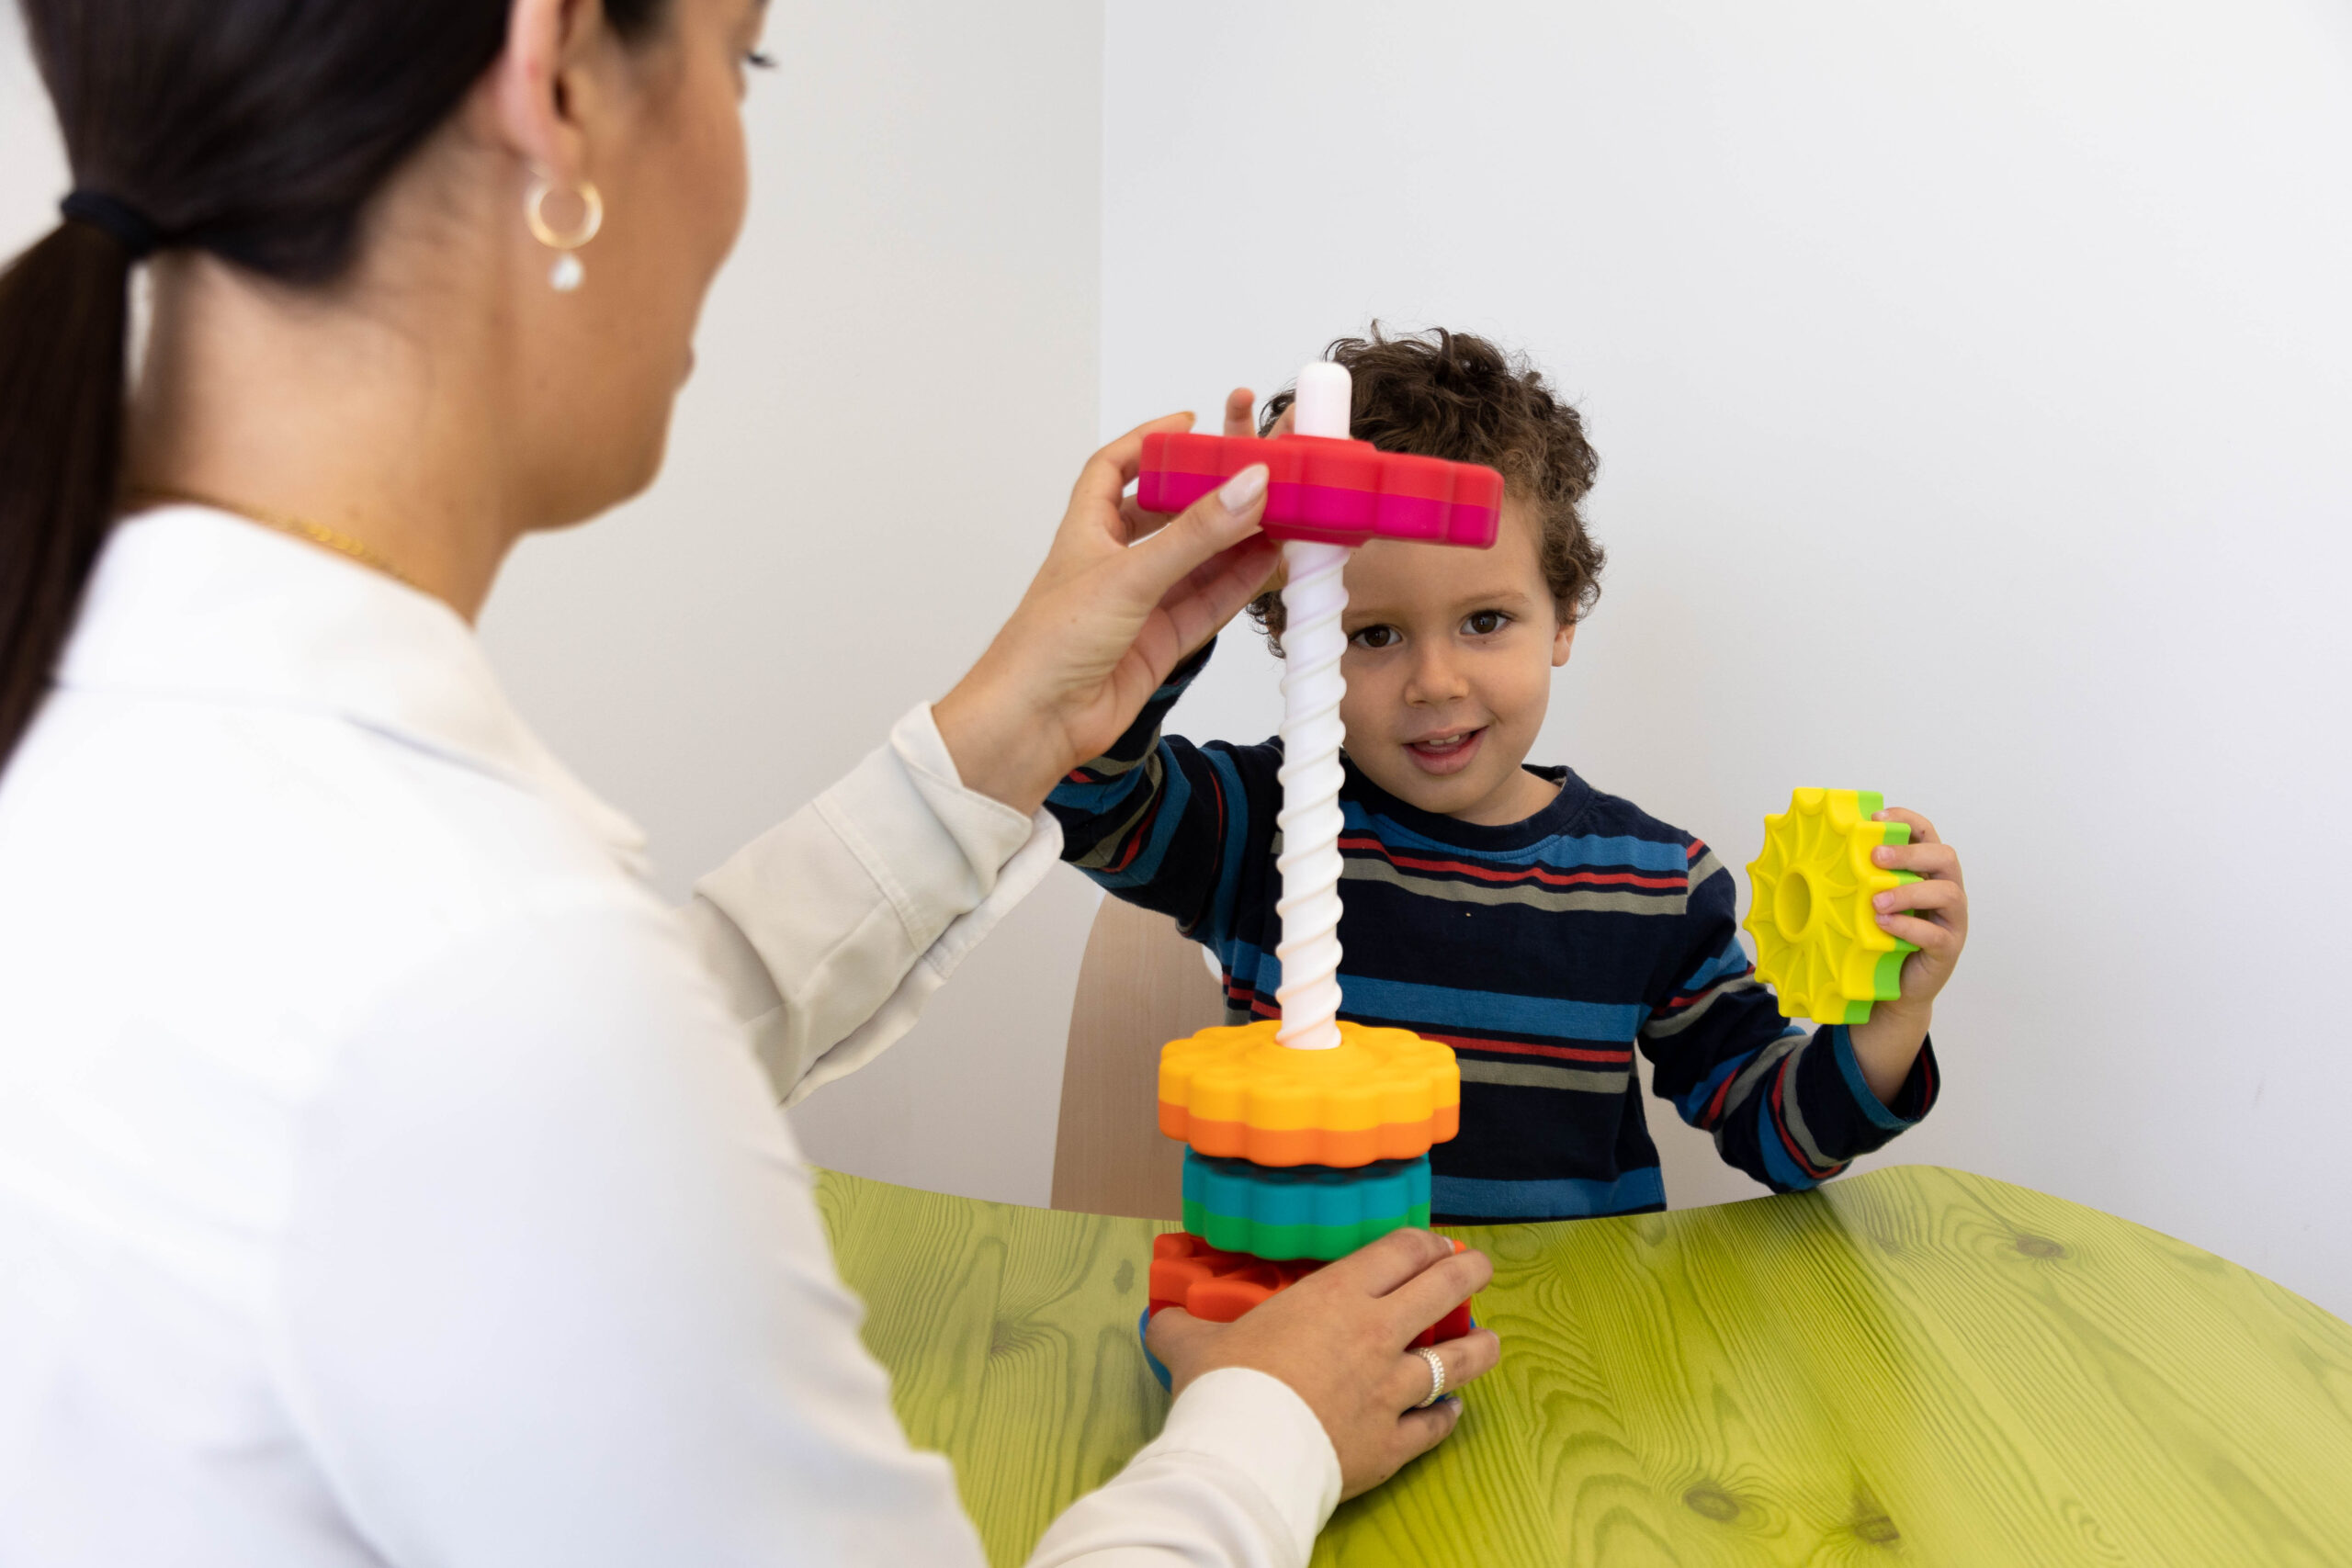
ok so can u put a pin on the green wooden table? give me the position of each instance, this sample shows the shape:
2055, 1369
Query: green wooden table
1916, 1365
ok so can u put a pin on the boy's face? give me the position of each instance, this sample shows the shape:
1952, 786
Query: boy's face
1449, 666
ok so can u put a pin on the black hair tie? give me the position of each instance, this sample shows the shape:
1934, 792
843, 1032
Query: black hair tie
129, 227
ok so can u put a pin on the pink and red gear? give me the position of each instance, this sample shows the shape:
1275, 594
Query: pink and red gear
1330, 490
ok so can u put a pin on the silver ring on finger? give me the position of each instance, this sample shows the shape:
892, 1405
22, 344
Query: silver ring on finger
1437, 1377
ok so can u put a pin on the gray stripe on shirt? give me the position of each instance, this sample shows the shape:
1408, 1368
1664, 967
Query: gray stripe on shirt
1745, 1084
1106, 849
1540, 1075
1793, 1114
1658, 1028
1590, 901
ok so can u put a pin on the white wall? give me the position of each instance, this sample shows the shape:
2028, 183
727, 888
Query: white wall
895, 389
1971, 381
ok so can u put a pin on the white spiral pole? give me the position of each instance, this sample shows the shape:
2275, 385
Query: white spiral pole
1315, 595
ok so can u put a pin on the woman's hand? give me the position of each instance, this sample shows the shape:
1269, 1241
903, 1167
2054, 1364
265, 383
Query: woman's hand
1338, 1337
1123, 596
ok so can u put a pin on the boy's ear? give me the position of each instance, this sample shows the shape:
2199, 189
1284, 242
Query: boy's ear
1564, 637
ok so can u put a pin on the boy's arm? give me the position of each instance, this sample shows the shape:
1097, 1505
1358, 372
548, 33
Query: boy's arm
1790, 1107
1151, 818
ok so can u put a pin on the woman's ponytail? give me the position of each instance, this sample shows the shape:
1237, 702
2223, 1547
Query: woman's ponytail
255, 130
64, 310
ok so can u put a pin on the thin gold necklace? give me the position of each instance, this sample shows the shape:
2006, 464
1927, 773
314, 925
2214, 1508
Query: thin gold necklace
367, 555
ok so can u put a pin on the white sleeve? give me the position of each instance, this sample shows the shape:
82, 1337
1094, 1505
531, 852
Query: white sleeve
1242, 1474
556, 1291
829, 931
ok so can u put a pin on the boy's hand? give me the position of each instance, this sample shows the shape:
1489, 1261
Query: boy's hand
1239, 405
1933, 914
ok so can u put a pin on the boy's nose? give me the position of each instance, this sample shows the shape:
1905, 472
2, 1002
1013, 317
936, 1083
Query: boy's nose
1435, 679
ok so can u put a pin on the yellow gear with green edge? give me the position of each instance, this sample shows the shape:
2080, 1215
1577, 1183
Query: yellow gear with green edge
1819, 943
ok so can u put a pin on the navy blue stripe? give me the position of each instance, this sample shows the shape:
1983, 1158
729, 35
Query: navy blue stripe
1564, 1198
1442, 1007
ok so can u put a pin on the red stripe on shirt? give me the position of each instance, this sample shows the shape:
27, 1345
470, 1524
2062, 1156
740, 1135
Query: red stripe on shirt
1519, 1048
1143, 832
1714, 1112
1674, 1003
1788, 1143
1535, 873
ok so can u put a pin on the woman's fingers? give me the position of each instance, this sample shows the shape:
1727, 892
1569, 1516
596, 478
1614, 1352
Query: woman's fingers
1108, 472
1139, 524
1414, 1431
1216, 522
1418, 1431
1418, 1276
1215, 592
1136, 523
1338, 1339
1466, 1360
1173, 1333
1381, 1266
1436, 1291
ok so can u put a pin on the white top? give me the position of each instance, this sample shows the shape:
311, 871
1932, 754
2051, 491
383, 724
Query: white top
385, 1172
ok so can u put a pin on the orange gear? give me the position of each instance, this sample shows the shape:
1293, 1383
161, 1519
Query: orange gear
1379, 1094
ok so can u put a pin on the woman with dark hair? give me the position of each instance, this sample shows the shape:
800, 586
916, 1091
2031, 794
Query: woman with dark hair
385, 1175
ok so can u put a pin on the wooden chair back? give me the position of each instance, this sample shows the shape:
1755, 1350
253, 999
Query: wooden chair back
1141, 984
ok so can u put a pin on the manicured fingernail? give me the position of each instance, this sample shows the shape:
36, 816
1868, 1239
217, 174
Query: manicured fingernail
1243, 488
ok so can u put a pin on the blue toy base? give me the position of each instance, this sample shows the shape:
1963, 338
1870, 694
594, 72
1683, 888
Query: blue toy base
1143, 1326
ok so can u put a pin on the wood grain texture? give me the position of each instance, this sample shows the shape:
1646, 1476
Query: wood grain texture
1140, 985
1917, 1365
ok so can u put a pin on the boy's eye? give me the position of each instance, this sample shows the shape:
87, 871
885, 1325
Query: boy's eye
1375, 637
759, 61
1485, 623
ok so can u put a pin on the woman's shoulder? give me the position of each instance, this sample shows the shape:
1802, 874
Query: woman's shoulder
273, 862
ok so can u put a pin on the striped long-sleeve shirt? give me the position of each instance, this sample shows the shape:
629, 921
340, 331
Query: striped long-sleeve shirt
1543, 952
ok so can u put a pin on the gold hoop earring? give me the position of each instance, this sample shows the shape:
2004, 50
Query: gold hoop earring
567, 273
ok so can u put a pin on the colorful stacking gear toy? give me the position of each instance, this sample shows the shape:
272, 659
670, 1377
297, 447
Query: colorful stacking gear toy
1317, 488
1217, 1286
1379, 1094
1308, 1137
1818, 941
1301, 1211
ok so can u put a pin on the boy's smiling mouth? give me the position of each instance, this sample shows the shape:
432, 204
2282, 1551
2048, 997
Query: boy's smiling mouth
1449, 752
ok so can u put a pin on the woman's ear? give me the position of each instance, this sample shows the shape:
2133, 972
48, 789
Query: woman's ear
539, 86
1563, 637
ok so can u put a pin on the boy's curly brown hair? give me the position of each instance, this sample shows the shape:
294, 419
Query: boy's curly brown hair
1453, 395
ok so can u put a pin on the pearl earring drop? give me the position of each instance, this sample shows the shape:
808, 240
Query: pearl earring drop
569, 272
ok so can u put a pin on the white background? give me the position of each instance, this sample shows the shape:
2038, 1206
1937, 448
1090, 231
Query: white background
1971, 385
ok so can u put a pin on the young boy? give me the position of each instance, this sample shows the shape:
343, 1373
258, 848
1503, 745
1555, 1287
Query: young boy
1540, 928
